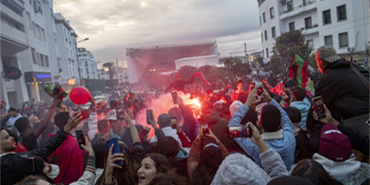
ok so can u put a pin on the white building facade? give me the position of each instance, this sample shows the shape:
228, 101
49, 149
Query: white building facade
66, 39
88, 65
121, 73
33, 40
344, 24
14, 39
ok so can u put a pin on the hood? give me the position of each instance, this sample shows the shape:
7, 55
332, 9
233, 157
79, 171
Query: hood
342, 63
210, 117
338, 170
301, 105
238, 169
234, 107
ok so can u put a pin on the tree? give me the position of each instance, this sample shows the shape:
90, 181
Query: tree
288, 44
236, 66
110, 66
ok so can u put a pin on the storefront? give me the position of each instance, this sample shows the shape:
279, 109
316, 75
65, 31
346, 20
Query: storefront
35, 82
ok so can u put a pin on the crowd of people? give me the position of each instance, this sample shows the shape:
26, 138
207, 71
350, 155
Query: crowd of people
283, 140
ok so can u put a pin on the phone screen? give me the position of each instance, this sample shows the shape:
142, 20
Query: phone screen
149, 115
239, 131
173, 122
319, 107
205, 128
80, 138
260, 91
174, 97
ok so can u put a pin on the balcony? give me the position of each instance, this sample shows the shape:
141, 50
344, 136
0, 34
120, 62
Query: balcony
12, 40
10, 14
312, 30
307, 6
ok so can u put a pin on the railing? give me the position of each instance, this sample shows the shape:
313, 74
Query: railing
298, 7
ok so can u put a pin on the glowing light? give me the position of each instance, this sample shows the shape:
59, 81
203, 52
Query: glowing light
144, 4
106, 69
196, 102
71, 81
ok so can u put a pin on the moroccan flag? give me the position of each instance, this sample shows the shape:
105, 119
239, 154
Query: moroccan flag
298, 71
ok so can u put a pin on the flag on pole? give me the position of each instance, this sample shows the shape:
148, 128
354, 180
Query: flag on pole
298, 71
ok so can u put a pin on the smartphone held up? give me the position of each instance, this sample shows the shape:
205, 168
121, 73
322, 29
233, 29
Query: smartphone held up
116, 149
80, 138
240, 131
318, 104
149, 116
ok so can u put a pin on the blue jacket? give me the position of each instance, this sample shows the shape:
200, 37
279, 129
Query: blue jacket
303, 107
284, 146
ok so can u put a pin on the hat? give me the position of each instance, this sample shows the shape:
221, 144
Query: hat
334, 144
112, 115
27, 108
291, 180
211, 153
164, 120
238, 169
327, 53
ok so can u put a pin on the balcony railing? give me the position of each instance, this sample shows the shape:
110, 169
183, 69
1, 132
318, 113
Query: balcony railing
298, 7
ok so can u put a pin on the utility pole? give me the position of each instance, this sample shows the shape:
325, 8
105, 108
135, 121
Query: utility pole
245, 50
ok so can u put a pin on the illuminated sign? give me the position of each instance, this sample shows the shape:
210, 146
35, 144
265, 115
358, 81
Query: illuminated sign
37, 77
42, 76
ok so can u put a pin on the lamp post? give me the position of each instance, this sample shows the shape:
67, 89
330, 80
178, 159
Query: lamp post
78, 60
94, 71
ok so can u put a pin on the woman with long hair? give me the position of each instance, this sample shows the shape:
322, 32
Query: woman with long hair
127, 173
314, 172
151, 166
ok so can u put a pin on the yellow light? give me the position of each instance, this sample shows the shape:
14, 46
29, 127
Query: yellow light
106, 69
71, 81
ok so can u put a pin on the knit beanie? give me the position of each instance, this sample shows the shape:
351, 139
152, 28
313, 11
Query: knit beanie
237, 169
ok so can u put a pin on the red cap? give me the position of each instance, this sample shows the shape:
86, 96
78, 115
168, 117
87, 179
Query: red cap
27, 108
334, 144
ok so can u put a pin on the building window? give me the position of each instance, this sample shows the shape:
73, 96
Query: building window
310, 43
33, 51
291, 26
42, 60
328, 40
47, 61
43, 34
341, 13
272, 13
267, 52
326, 17
262, 37
34, 28
343, 40
290, 6
264, 17
308, 23
29, 22
260, 21
265, 34
273, 32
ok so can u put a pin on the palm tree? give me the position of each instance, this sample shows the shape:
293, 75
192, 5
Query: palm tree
110, 66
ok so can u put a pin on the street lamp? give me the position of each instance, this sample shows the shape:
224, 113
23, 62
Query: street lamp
85, 39
78, 60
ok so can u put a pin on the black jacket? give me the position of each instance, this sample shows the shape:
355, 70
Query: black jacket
342, 91
189, 126
358, 141
8, 160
